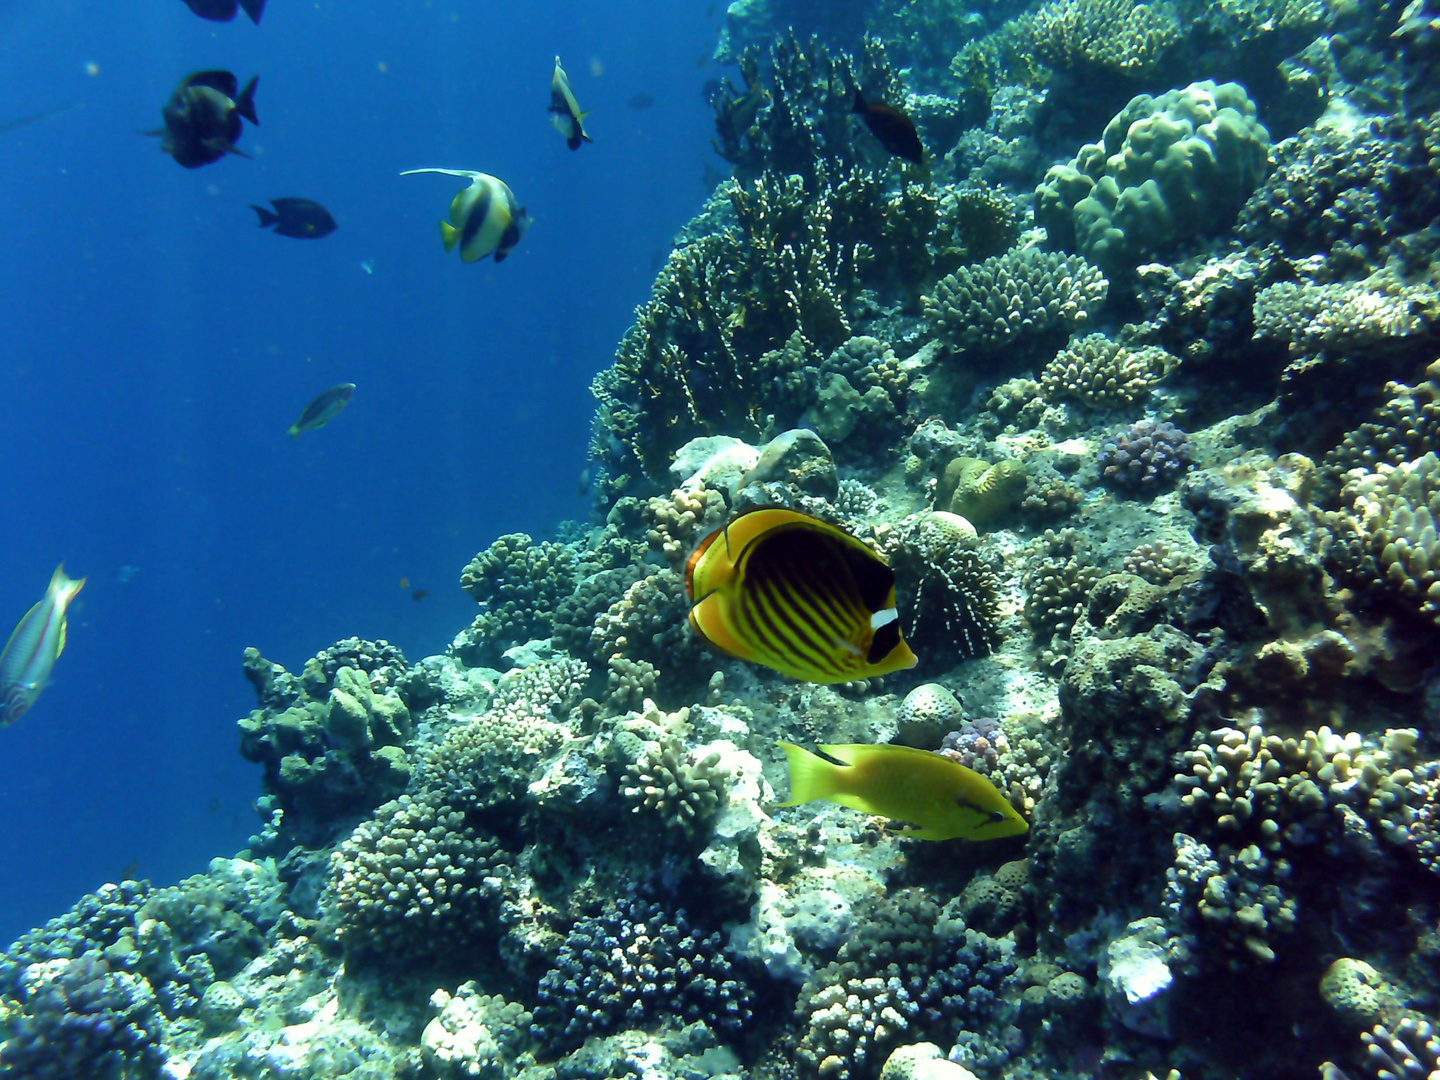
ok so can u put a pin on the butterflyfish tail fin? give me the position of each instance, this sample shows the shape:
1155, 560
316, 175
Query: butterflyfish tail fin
450, 235
811, 776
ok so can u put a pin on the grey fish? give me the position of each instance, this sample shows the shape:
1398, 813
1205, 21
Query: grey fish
323, 409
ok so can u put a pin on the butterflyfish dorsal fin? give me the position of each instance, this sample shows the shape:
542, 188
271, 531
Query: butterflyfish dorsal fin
466, 174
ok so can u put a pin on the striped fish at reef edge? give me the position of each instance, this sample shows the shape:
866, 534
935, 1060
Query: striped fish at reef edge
799, 595
33, 648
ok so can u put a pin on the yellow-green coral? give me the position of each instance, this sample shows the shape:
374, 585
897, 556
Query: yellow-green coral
980, 492
1103, 374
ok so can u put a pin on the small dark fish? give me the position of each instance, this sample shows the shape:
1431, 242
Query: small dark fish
641, 100
323, 409
224, 10
202, 118
304, 219
213, 804
419, 594
11, 125
128, 874
893, 128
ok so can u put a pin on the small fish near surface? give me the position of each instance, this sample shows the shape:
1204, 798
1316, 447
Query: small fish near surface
940, 799
202, 118
642, 100
323, 409
485, 218
565, 111
799, 595
33, 648
303, 219
893, 128
224, 10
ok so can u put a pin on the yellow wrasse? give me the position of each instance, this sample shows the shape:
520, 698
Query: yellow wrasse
940, 798
33, 648
797, 594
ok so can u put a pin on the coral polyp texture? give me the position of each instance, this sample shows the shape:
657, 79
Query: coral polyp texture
1141, 436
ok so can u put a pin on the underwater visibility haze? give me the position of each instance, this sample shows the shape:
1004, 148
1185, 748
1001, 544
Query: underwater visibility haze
793, 540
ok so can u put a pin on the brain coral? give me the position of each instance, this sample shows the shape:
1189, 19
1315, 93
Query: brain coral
1166, 169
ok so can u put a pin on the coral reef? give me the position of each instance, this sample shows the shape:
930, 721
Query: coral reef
1146, 457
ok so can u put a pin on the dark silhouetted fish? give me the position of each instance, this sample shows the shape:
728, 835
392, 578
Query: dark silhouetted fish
893, 128
419, 594
323, 409
202, 118
224, 10
641, 100
304, 219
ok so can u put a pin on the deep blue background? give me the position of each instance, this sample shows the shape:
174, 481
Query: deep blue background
156, 344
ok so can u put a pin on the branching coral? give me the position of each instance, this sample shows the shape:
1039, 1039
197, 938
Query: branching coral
668, 782
1119, 37
1010, 298
1100, 373
416, 881
637, 964
519, 583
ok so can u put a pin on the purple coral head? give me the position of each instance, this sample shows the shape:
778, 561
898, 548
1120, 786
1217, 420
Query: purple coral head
973, 745
1146, 457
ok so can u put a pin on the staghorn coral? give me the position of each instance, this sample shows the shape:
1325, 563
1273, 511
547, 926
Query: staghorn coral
1166, 170
1100, 373
637, 964
1344, 318
415, 881
1009, 299
738, 316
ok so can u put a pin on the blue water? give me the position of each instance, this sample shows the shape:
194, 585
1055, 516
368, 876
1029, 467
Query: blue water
156, 345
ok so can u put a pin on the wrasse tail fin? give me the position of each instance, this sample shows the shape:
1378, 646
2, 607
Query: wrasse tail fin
811, 777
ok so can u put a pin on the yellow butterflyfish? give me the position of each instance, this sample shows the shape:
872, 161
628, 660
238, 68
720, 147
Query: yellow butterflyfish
797, 594
940, 799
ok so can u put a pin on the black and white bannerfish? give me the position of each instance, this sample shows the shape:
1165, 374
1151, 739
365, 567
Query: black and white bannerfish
224, 10
485, 218
323, 409
565, 111
202, 118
